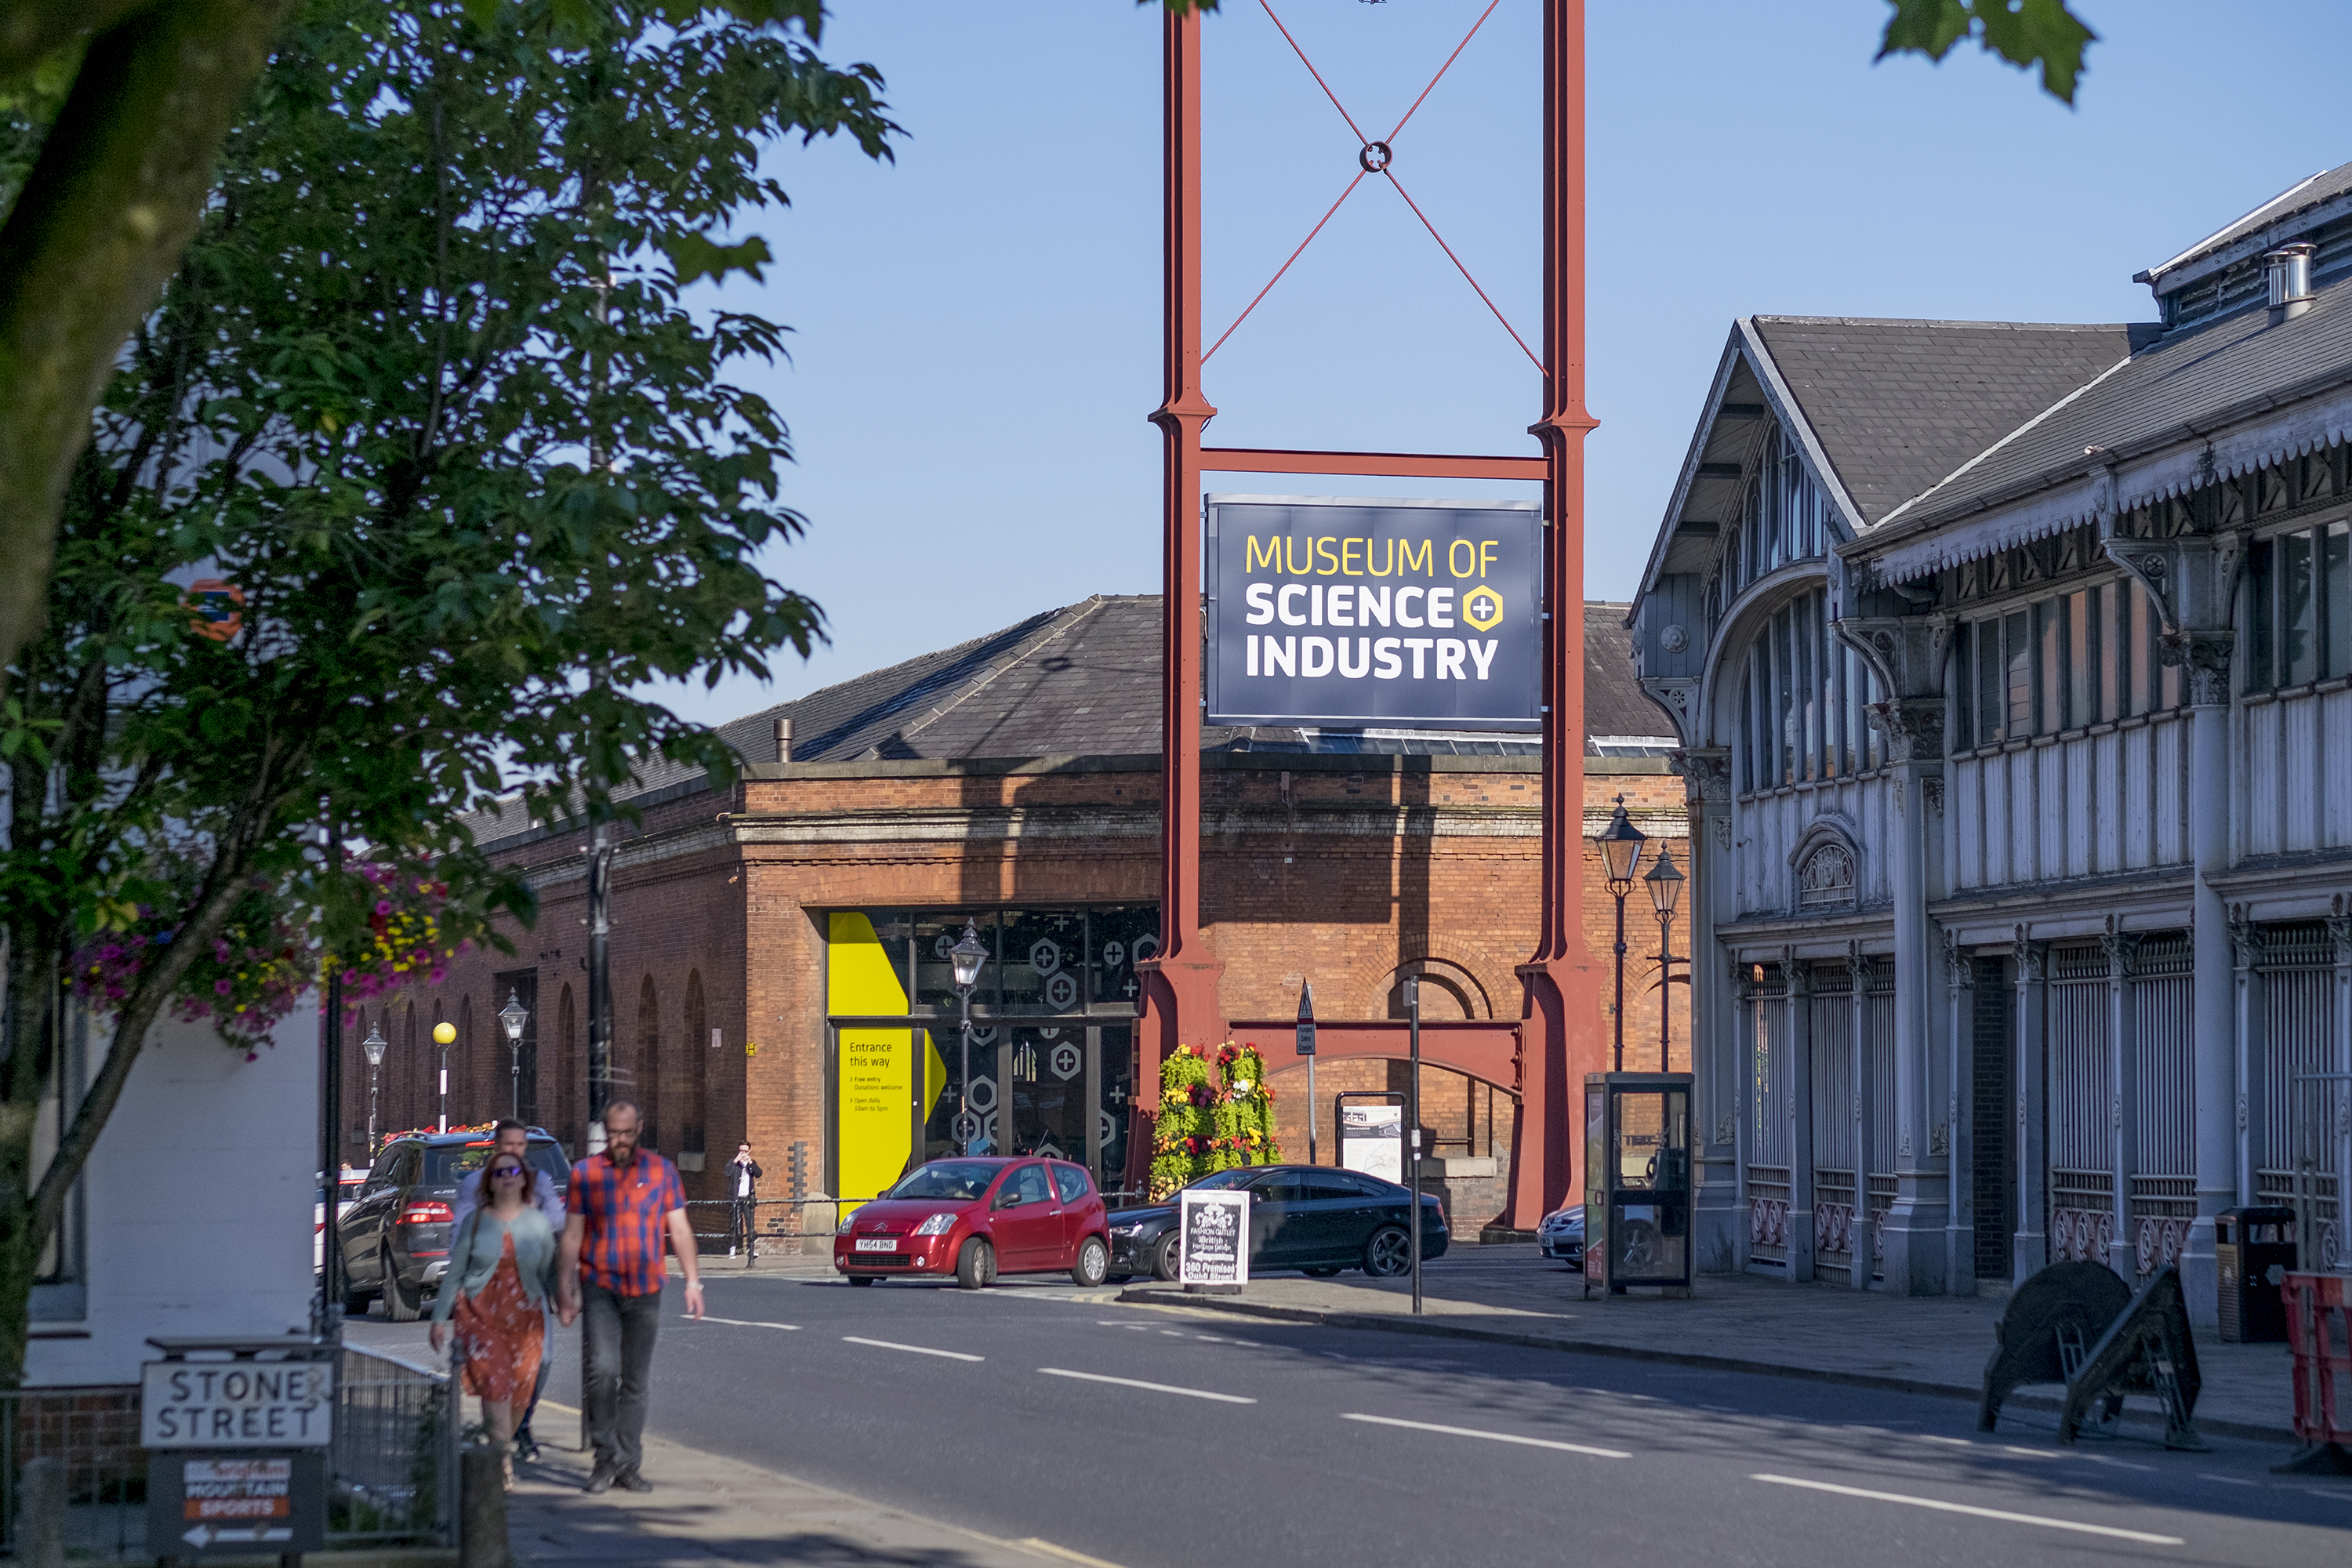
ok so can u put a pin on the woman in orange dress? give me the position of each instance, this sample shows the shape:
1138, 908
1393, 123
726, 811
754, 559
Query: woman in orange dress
501, 1273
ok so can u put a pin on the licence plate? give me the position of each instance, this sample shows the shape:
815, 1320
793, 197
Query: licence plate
877, 1244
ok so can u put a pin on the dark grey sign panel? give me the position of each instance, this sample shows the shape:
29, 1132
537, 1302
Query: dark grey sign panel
1406, 615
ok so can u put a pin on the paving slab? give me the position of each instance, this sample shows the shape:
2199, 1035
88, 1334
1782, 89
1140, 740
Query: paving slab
1731, 1323
708, 1511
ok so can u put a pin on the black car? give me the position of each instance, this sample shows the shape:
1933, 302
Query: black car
395, 1236
1313, 1218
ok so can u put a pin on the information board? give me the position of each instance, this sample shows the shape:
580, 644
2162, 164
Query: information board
1412, 615
1371, 1139
1213, 1248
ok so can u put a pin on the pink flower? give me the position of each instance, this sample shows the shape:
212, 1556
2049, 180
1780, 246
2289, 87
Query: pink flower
220, 987
383, 906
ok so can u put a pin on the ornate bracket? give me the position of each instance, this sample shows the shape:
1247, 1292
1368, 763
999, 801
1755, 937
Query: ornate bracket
2033, 958
2122, 948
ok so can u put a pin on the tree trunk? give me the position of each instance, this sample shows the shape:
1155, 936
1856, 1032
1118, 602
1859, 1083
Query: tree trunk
112, 201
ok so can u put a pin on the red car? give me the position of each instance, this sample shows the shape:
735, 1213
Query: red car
977, 1218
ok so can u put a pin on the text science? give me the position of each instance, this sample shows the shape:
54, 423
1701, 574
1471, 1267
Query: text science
1348, 614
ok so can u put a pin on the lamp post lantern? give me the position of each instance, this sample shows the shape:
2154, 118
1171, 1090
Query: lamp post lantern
373, 1046
1665, 884
967, 956
1620, 844
512, 1017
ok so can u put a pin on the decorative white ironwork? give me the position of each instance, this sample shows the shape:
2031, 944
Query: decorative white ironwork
1825, 879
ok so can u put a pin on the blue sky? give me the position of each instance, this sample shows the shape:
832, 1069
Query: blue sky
975, 344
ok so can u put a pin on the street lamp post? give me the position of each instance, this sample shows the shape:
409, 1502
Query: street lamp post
373, 1046
444, 1035
1307, 1049
1665, 884
1411, 988
1620, 844
968, 955
512, 1017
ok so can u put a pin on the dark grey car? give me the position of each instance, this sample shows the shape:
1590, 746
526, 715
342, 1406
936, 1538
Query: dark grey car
1313, 1218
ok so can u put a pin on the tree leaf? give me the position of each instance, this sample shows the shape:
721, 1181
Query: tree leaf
2025, 33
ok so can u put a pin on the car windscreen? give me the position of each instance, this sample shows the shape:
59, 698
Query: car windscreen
960, 1181
447, 1164
1217, 1180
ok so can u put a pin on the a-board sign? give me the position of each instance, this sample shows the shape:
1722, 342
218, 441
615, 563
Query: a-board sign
1214, 1245
1371, 1139
237, 1405
1418, 615
244, 1503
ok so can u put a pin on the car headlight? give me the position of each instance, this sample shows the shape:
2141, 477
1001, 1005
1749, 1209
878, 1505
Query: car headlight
936, 1225
1135, 1229
842, 1228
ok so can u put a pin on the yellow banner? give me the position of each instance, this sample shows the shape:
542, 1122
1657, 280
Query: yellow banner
874, 1101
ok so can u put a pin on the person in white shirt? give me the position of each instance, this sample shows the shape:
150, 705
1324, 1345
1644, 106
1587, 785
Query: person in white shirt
743, 1175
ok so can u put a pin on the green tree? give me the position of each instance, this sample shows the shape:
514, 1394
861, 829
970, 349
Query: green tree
426, 392
2025, 33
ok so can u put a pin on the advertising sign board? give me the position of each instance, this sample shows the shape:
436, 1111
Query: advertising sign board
1412, 614
1214, 1251
202, 1504
1371, 1139
237, 1405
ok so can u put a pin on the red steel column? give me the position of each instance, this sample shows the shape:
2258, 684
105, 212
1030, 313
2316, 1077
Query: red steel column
1180, 984
1561, 1035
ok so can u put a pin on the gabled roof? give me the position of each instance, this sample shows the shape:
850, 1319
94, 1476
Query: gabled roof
2265, 226
1898, 405
2183, 390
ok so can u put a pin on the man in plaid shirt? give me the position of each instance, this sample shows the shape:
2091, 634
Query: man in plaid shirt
621, 1205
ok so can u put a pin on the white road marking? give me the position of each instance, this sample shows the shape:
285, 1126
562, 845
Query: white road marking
2031, 1453
1153, 1387
1939, 1506
1955, 1442
1060, 1553
910, 1350
748, 1323
2118, 1464
2226, 1480
1492, 1437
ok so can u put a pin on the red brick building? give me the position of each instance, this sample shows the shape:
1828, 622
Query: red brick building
778, 964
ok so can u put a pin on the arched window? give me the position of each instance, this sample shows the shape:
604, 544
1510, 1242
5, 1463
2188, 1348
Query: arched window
648, 1065
404, 1092
1801, 700
692, 1135
567, 1100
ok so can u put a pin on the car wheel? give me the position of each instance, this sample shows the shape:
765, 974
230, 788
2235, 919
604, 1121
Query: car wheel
1389, 1253
398, 1305
1164, 1259
976, 1264
861, 1280
1093, 1264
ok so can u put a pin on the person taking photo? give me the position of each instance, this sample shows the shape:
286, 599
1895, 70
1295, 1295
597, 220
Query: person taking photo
743, 1175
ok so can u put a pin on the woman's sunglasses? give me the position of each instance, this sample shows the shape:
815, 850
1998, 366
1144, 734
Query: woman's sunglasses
503, 1172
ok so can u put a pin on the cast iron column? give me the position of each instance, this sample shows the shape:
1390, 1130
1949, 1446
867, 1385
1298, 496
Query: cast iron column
1180, 982
1559, 1038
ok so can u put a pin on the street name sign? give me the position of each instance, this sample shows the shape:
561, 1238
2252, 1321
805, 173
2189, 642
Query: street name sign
237, 1405
1411, 615
1212, 1248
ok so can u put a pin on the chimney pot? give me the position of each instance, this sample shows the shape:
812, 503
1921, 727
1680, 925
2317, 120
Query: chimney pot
2287, 271
783, 740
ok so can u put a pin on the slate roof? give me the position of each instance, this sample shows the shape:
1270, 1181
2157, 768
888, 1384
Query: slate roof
1898, 405
2316, 191
1080, 680
2169, 392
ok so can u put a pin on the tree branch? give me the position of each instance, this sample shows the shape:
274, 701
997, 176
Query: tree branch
112, 201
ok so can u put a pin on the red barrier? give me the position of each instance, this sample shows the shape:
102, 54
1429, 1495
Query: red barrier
2319, 1332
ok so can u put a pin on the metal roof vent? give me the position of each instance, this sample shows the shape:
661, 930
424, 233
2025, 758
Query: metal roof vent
2288, 270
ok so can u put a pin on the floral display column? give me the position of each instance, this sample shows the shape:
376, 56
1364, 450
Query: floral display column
1216, 1112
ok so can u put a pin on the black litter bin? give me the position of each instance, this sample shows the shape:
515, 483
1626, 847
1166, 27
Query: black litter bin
2253, 1248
